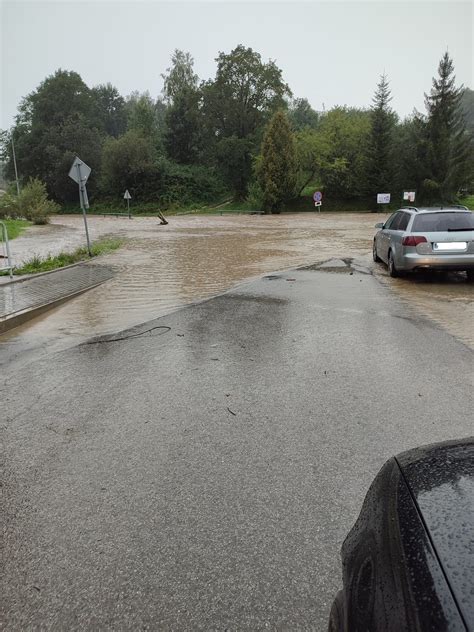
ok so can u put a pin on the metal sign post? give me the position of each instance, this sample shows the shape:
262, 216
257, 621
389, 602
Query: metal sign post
128, 197
83, 199
80, 173
318, 200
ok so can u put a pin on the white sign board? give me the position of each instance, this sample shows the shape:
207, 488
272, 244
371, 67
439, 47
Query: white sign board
383, 198
127, 196
79, 166
409, 195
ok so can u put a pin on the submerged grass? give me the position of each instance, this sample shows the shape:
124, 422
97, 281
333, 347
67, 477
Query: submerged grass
39, 264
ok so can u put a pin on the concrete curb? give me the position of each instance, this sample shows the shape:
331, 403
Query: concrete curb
19, 318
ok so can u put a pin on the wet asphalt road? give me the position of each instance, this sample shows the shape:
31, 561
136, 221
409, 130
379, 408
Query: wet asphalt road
201, 471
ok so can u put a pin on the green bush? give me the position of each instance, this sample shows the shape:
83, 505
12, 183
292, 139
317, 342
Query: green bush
40, 212
8, 207
169, 185
130, 162
32, 203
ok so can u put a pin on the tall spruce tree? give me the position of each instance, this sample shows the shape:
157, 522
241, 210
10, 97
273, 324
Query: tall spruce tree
379, 163
277, 169
449, 145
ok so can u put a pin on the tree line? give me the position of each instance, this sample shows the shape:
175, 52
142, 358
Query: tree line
243, 134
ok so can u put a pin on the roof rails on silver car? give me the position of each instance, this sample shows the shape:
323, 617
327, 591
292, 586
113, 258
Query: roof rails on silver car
446, 207
441, 208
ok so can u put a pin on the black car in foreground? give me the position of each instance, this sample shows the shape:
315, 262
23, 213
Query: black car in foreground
408, 562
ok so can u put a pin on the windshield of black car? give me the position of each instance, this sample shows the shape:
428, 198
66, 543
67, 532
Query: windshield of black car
441, 222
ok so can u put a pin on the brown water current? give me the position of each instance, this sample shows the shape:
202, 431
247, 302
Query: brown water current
164, 267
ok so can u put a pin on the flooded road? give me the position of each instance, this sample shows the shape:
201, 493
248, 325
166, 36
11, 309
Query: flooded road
162, 268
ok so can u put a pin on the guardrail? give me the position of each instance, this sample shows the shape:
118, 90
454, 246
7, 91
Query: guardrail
238, 212
116, 214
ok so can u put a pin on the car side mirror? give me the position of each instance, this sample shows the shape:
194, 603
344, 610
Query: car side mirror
379, 225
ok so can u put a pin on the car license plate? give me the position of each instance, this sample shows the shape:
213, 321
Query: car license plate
450, 245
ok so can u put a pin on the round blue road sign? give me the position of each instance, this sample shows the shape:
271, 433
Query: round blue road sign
318, 196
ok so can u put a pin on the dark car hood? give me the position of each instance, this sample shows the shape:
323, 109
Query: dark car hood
441, 480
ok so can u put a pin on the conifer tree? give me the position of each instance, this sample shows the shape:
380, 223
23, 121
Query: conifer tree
449, 145
277, 166
379, 164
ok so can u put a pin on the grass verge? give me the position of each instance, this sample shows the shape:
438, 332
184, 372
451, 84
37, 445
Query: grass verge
38, 264
14, 227
468, 201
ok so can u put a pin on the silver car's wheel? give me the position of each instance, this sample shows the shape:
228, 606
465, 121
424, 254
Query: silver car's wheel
374, 253
392, 270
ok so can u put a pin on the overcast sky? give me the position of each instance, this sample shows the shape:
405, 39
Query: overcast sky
330, 52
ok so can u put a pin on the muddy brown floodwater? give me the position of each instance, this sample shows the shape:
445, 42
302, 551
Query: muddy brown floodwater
195, 257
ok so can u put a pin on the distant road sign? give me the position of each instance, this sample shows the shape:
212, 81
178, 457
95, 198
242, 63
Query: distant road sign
83, 169
127, 196
318, 196
383, 198
409, 195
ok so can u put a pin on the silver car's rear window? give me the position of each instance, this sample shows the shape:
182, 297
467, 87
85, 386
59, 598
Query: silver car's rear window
440, 222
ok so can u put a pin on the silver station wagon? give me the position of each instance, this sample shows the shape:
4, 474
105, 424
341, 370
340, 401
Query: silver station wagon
431, 238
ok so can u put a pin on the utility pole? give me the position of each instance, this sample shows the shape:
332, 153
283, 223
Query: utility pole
14, 164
